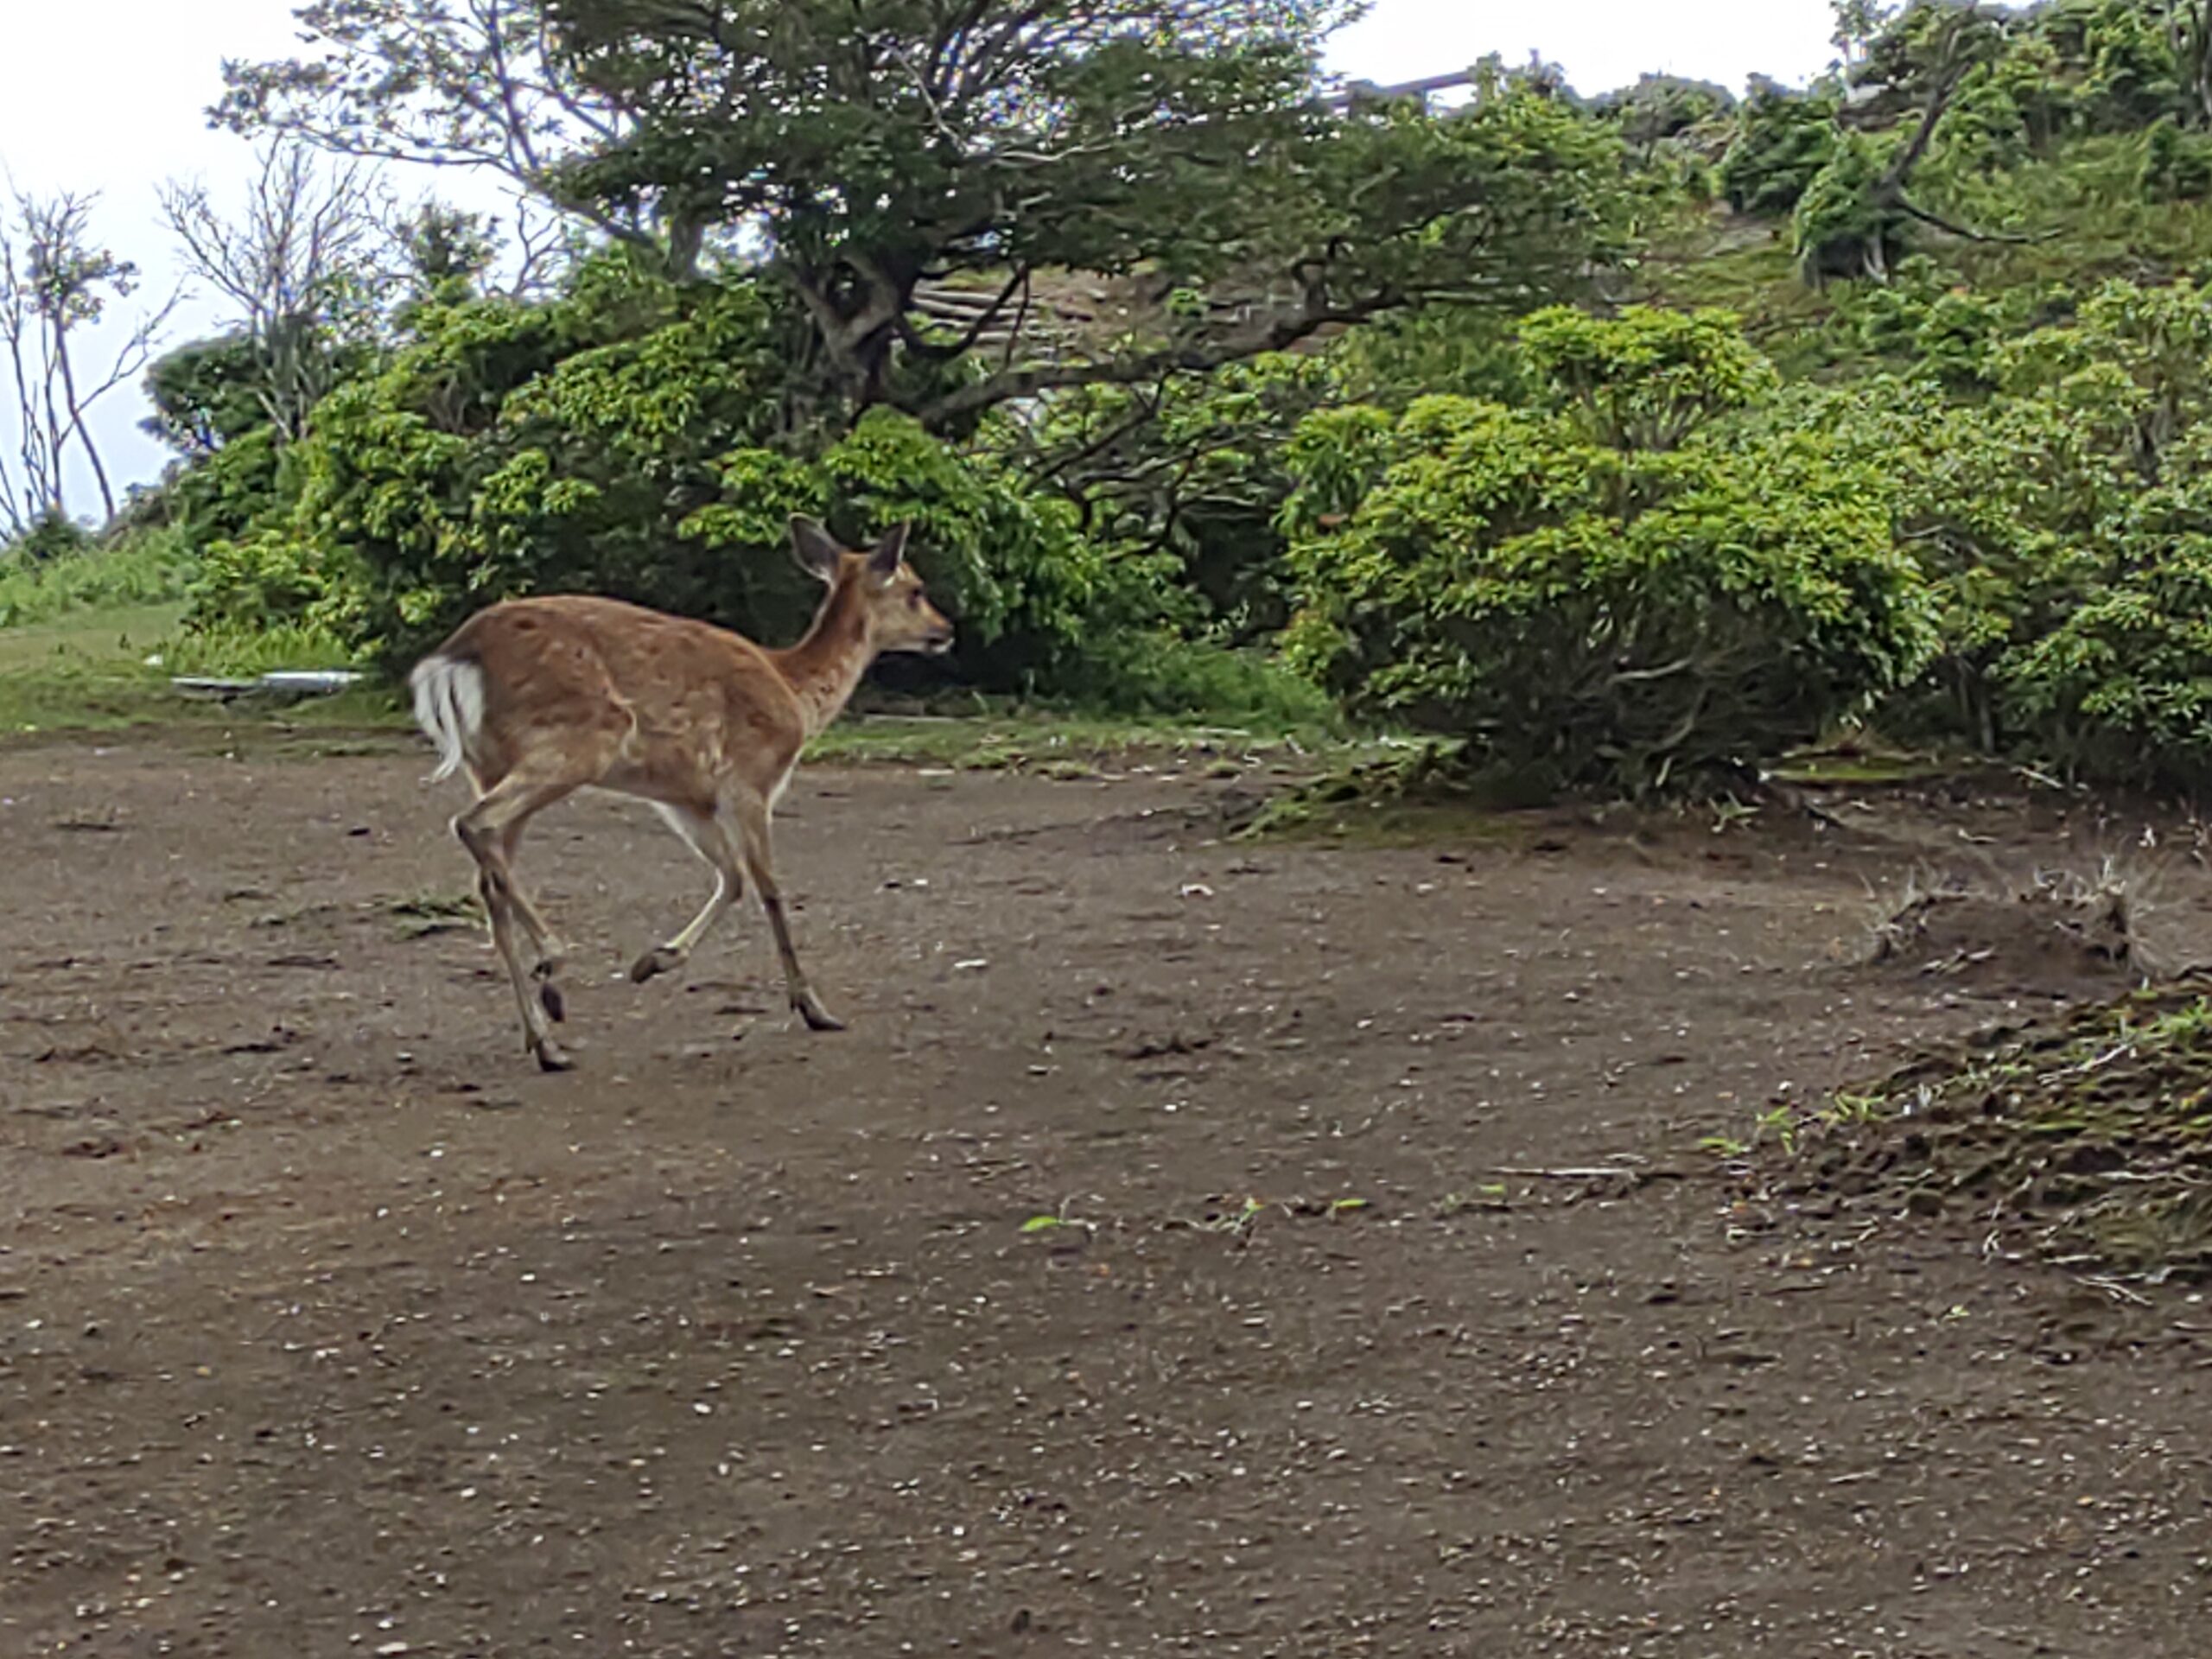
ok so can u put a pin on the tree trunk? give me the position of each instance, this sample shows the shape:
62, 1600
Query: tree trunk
84, 433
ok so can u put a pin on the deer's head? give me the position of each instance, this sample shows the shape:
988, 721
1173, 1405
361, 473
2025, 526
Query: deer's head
880, 585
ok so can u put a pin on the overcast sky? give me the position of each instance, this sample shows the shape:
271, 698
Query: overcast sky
107, 96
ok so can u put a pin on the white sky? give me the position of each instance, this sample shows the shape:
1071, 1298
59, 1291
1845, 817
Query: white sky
116, 109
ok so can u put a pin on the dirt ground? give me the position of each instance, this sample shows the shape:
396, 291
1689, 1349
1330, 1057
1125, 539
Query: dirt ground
327, 1326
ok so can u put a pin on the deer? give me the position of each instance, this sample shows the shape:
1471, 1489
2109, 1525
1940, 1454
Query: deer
535, 698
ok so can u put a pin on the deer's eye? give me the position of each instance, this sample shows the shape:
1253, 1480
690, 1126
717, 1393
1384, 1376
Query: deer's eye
914, 601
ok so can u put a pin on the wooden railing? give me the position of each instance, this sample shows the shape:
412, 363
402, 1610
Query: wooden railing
1423, 88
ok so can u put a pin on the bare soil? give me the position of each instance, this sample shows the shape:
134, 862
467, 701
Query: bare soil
1397, 1308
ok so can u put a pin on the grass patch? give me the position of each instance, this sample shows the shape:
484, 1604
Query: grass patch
145, 569
421, 914
100, 670
86, 671
1057, 743
242, 654
105, 669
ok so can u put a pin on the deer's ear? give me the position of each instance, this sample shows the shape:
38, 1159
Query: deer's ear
816, 551
890, 553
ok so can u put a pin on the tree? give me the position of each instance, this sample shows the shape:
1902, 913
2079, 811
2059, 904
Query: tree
864, 149
301, 266
1852, 219
56, 284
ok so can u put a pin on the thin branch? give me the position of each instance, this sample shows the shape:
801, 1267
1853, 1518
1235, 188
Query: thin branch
2009, 238
1193, 357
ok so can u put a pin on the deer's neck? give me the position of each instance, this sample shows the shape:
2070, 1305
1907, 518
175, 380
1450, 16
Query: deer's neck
824, 669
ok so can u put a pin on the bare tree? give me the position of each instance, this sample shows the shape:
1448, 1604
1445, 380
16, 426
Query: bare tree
56, 285
483, 84
301, 264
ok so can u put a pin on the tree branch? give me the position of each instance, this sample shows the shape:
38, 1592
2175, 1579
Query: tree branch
1279, 335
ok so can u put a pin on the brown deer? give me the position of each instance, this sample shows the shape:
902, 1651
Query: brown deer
540, 697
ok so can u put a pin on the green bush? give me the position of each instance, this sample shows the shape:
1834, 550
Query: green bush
1628, 621
628, 439
2001, 505
1029, 593
2177, 165
1614, 589
232, 491
2119, 689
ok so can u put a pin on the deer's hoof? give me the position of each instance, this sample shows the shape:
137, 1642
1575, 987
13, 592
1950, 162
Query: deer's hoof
658, 960
551, 1057
817, 1018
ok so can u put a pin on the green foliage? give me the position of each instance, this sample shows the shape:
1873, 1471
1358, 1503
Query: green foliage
1602, 615
1844, 226
872, 142
1783, 139
239, 651
232, 490
52, 535
1660, 107
624, 440
140, 568
2120, 687
1186, 475
1646, 378
2177, 165
1961, 477
203, 395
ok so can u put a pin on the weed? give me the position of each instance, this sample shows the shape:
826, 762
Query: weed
422, 915
1059, 1221
1489, 1196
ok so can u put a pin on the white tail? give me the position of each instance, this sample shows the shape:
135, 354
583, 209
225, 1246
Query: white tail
540, 697
449, 708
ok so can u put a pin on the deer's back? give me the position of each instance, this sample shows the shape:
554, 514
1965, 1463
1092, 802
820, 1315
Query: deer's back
685, 699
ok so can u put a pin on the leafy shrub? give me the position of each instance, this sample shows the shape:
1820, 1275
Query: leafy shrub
1185, 478
231, 491
1620, 620
1646, 378
2119, 688
1027, 589
2000, 504
272, 579
1842, 227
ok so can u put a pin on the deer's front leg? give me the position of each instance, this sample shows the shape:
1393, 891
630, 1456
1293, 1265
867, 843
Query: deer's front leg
706, 837
752, 815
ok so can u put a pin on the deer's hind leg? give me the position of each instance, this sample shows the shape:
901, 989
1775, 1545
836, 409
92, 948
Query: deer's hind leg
552, 954
491, 829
